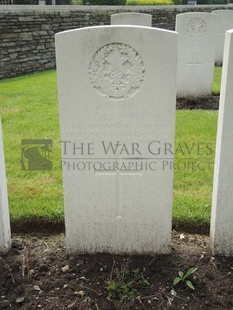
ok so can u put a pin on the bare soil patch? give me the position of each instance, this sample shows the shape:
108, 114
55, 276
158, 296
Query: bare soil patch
200, 103
38, 273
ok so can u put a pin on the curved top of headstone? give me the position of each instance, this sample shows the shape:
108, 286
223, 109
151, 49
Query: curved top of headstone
122, 48
225, 12
195, 24
132, 18
193, 13
224, 22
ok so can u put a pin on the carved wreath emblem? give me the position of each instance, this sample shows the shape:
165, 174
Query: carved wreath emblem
116, 71
196, 27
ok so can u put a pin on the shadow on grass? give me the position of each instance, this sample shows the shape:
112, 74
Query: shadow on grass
57, 225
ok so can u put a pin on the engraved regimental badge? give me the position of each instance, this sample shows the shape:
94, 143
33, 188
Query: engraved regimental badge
117, 71
196, 27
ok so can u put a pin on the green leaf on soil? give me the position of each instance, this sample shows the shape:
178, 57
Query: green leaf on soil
176, 280
190, 285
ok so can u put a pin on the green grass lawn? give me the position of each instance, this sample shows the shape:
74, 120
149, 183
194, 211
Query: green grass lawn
217, 80
29, 109
193, 186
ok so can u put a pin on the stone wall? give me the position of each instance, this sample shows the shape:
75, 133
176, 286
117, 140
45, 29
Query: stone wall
27, 32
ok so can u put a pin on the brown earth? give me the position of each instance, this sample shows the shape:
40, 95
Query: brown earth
204, 103
39, 274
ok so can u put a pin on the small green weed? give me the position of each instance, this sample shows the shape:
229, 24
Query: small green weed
117, 290
143, 282
182, 277
124, 282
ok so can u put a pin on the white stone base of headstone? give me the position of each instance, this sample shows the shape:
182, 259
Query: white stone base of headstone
5, 235
221, 230
132, 18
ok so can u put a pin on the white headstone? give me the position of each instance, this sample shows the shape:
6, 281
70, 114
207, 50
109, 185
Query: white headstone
222, 203
196, 53
132, 18
117, 90
224, 23
5, 234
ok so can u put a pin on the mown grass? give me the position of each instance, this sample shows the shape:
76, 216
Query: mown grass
29, 109
194, 171
217, 80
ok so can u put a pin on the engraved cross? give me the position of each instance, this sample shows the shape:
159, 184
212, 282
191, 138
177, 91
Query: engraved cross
195, 63
119, 186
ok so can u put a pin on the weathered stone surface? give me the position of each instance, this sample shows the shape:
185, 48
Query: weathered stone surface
132, 18
26, 19
26, 36
196, 53
9, 36
222, 211
5, 233
13, 56
224, 23
117, 85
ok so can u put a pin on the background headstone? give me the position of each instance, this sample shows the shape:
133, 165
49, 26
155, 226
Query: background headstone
117, 85
224, 22
222, 204
5, 234
196, 54
132, 18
